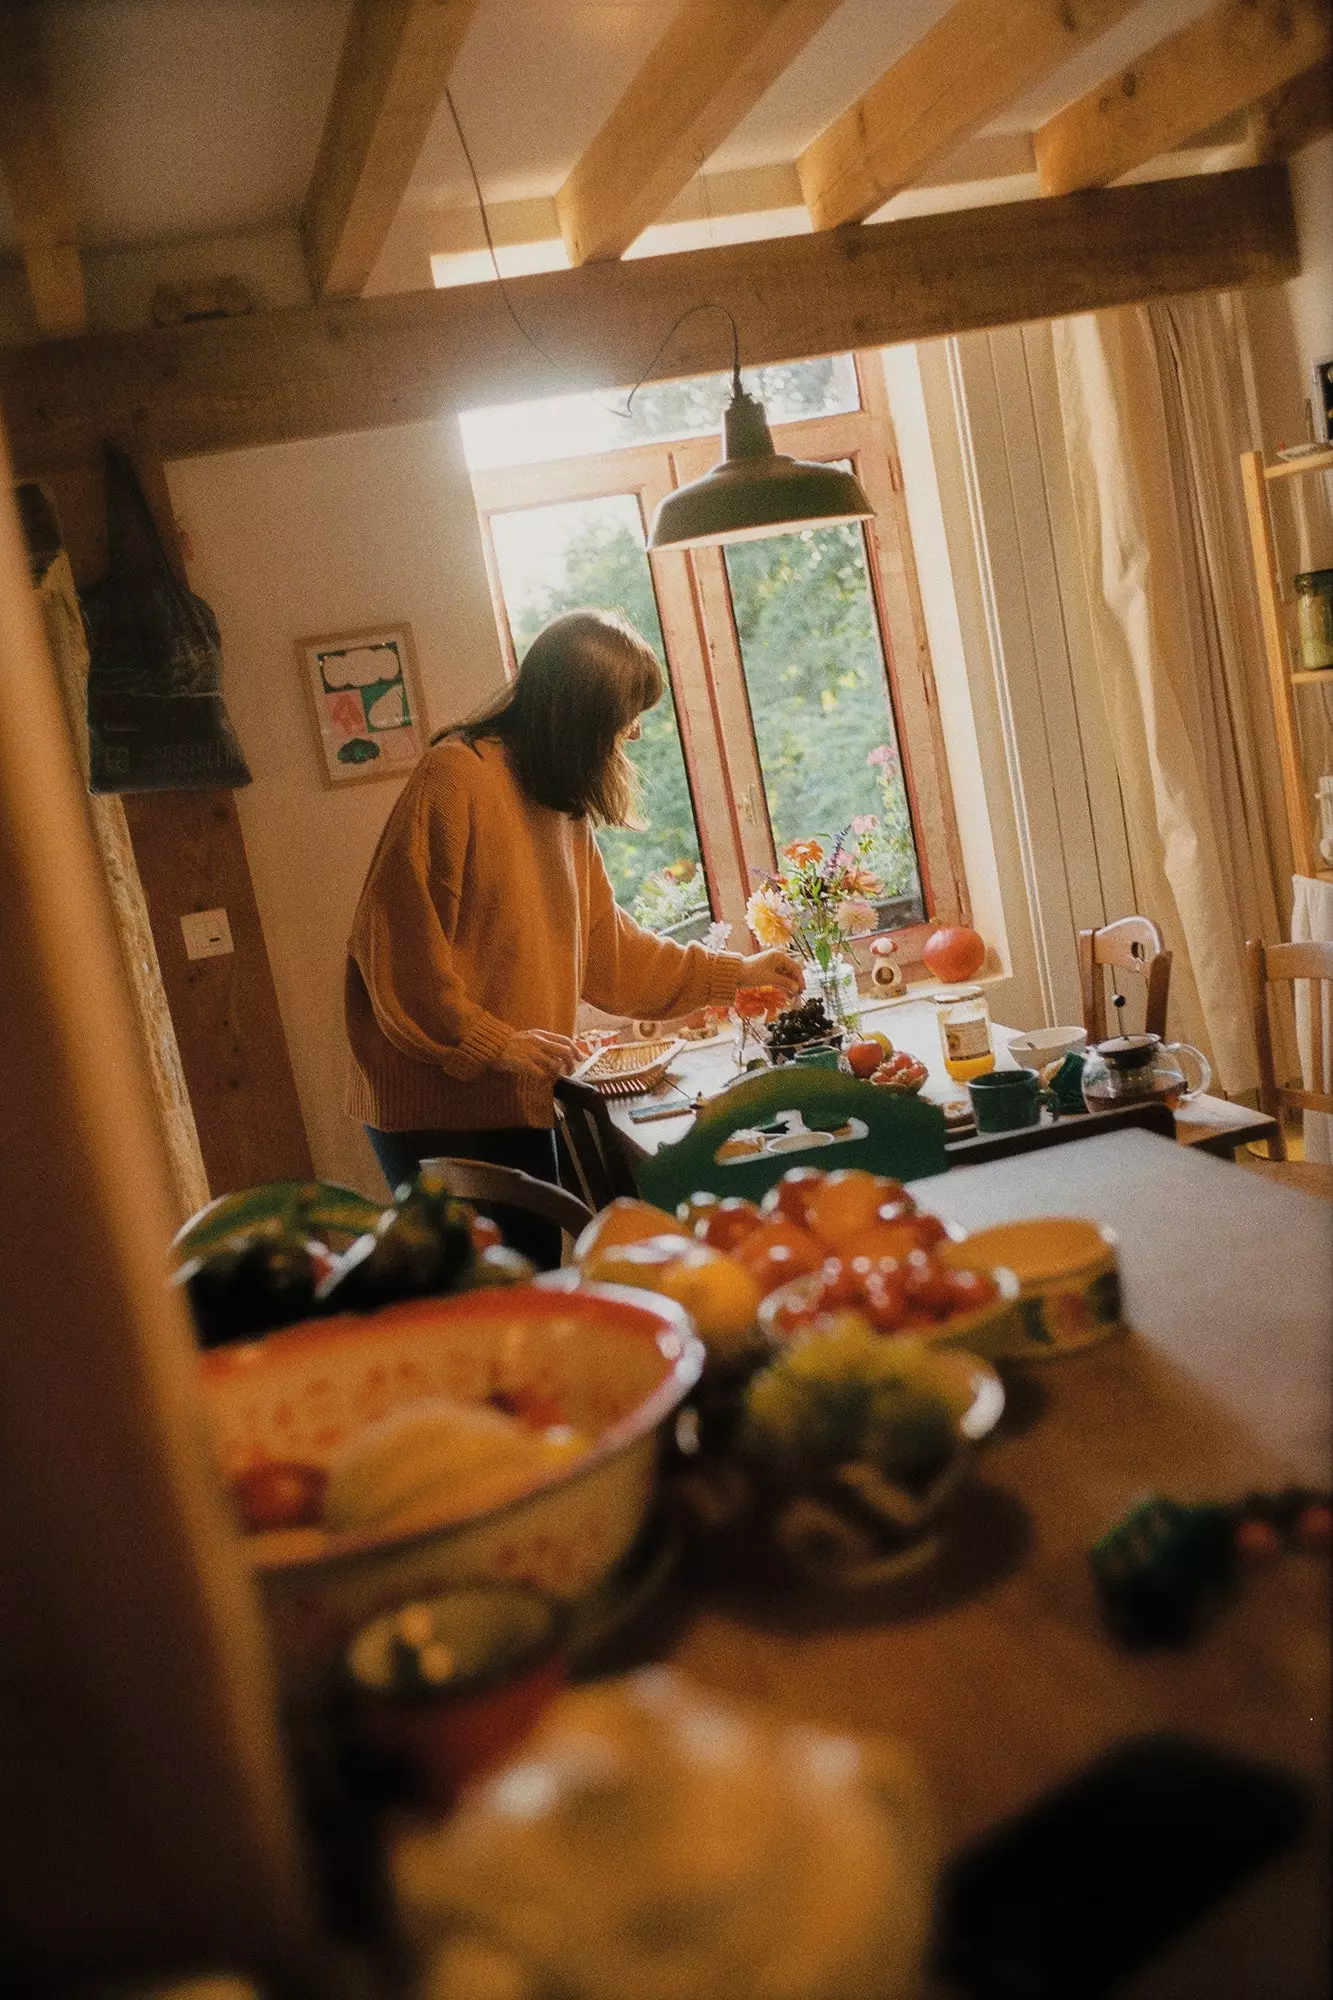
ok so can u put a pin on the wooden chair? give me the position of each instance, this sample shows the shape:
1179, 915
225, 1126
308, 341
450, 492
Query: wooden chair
1134, 945
478, 1180
594, 1149
1272, 964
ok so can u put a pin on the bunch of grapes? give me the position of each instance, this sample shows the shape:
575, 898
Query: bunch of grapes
797, 1026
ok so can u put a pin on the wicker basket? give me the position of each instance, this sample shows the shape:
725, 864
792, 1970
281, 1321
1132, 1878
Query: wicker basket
625, 1069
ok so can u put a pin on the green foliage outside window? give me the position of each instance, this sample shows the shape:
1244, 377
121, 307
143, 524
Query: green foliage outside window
806, 623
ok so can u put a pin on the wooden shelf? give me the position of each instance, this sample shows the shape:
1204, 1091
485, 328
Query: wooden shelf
1307, 676
1291, 468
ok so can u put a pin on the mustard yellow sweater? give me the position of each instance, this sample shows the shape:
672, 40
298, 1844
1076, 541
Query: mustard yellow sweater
484, 913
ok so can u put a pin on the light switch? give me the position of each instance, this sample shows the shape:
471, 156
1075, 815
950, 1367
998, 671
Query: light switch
207, 934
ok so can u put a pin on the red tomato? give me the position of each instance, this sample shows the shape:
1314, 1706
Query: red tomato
776, 1252
885, 1304
864, 1058
971, 1290
727, 1226
774, 1265
929, 1286
281, 1494
840, 1284
793, 1194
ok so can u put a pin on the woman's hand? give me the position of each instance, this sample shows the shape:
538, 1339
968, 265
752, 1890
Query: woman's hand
534, 1052
773, 968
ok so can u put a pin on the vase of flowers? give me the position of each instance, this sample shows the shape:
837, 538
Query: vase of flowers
814, 904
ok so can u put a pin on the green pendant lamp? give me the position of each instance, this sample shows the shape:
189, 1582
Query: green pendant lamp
754, 490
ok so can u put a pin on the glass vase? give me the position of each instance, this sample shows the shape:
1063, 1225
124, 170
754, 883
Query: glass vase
835, 985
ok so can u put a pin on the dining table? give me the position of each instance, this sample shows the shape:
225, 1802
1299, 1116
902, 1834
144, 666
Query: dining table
701, 1069
992, 1665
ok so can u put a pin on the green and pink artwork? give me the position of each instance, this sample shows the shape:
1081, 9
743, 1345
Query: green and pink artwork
366, 703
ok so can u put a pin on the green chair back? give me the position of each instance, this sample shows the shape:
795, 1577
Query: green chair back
853, 1124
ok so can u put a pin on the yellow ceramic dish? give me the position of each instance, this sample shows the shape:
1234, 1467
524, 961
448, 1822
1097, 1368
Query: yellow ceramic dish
1069, 1280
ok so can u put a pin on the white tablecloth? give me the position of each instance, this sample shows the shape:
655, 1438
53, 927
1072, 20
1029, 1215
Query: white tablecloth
1312, 921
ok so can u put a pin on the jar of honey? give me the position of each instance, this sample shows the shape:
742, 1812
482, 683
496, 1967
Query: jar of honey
965, 1035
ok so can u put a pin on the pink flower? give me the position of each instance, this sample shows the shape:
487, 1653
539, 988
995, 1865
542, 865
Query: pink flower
863, 823
885, 756
855, 915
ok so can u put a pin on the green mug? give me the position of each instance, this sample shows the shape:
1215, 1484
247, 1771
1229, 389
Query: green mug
817, 1058
1008, 1100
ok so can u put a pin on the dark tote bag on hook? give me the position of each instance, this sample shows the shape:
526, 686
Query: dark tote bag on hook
156, 717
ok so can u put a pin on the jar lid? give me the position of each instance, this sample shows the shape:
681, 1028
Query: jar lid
948, 994
1315, 579
1129, 1051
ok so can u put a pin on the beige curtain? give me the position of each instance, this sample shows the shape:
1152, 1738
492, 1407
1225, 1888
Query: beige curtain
1152, 399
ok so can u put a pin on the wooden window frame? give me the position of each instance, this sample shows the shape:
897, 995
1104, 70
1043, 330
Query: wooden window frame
703, 652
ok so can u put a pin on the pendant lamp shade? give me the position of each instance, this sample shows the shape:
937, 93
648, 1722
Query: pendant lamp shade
754, 490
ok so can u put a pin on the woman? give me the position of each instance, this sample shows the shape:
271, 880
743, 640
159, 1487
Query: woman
487, 916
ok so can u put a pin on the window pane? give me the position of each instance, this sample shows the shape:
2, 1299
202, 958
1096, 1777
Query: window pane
814, 675
574, 426
589, 554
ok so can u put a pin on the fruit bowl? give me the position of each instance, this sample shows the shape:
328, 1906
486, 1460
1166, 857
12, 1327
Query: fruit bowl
849, 1495
986, 1330
614, 1364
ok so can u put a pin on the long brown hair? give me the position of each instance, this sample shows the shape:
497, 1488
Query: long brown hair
582, 682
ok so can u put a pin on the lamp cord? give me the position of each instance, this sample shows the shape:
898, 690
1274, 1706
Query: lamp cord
707, 305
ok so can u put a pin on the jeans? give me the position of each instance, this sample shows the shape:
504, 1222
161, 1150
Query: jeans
529, 1148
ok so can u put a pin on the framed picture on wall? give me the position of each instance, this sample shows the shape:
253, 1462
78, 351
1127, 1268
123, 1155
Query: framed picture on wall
365, 701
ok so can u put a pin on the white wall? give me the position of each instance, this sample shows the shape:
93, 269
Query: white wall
955, 594
292, 541
1291, 325
119, 283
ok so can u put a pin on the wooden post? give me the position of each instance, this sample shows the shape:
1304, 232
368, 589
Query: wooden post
144, 1821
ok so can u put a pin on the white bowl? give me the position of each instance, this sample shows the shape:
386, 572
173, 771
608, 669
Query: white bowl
617, 1364
1046, 1045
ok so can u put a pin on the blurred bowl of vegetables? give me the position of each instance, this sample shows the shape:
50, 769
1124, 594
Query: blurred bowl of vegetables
505, 1435
858, 1441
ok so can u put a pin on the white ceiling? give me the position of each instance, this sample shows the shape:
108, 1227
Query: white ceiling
183, 118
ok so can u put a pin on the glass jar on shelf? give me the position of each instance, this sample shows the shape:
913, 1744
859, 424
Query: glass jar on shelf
964, 1021
1314, 618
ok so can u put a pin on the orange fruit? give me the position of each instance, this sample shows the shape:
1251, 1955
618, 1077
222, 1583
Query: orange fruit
777, 1251
848, 1202
637, 1263
624, 1220
864, 1058
727, 1226
792, 1195
720, 1295
692, 1212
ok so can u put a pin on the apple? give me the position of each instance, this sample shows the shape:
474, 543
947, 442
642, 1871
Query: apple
864, 1058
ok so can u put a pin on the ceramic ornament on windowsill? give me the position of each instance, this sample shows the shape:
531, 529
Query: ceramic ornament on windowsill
886, 975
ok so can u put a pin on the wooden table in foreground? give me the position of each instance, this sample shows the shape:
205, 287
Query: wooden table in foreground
995, 1668
705, 1067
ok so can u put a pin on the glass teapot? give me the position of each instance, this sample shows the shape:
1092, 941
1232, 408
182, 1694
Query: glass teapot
1141, 1069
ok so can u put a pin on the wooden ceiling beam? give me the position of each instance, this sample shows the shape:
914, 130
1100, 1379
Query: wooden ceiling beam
711, 67
960, 73
35, 179
1294, 116
362, 364
1217, 65
395, 65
